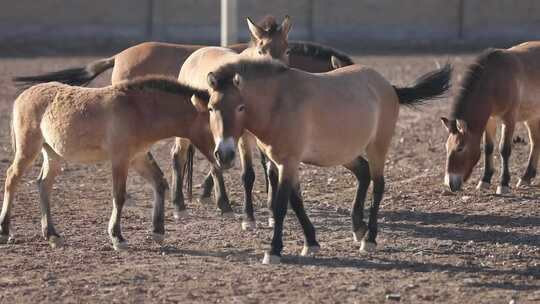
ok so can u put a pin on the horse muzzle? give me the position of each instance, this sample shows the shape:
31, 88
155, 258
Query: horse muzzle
453, 181
225, 153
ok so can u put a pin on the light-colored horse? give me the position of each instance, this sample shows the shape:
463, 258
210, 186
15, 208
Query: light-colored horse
501, 85
289, 112
88, 125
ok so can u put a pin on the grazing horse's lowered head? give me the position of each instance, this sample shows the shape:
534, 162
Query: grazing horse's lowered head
270, 39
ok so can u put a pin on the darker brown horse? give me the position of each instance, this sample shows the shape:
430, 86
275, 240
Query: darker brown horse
501, 85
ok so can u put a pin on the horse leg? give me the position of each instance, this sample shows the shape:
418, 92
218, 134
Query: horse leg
150, 171
311, 246
27, 149
207, 186
360, 169
222, 200
248, 178
265, 168
119, 176
49, 170
288, 173
272, 189
489, 143
179, 156
534, 137
505, 150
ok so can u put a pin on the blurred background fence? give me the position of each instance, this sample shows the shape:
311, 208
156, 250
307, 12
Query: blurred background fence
345, 23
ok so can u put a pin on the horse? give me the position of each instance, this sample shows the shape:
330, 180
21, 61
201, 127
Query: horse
156, 58
88, 125
500, 85
289, 112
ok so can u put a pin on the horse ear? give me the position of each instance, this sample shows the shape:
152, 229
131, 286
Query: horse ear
199, 102
336, 63
286, 26
255, 30
212, 81
461, 126
447, 124
237, 81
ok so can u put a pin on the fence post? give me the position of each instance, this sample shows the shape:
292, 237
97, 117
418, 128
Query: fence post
229, 24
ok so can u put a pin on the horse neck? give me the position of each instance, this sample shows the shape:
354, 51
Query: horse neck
478, 108
166, 115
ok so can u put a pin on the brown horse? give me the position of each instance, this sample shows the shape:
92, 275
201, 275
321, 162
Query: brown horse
156, 58
501, 85
289, 113
87, 125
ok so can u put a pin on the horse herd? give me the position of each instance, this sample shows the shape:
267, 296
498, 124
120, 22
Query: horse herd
298, 102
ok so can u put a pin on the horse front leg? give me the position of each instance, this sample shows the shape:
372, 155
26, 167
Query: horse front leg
119, 176
248, 179
505, 150
222, 200
534, 139
489, 144
179, 155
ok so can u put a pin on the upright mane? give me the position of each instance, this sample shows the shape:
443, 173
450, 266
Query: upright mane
162, 84
473, 76
248, 68
310, 49
269, 25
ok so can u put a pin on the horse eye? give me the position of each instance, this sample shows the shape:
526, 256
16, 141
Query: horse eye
210, 110
460, 148
261, 52
287, 52
241, 108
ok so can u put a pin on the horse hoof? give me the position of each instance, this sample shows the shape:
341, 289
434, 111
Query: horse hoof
271, 222
158, 238
248, 225
502, 190
180, 214
205, 200
228, 215
4, 239
310, 250
120, 245
522, 183
55, 241
367, 246
358, 235
270, 259
483, 186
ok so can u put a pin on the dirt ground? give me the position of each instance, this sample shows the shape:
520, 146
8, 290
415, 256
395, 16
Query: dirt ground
470, 247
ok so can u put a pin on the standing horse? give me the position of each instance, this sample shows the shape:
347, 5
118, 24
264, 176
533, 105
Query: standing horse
156, 58
87, 125
289, 112
501, 85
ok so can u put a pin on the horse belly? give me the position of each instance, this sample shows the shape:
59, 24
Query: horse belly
76, 139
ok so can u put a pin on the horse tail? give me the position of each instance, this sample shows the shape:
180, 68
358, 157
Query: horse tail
188, 171
429, 86
79, 76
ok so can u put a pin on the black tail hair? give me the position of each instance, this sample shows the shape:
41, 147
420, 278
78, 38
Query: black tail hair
429, 86
188, 171
80, 76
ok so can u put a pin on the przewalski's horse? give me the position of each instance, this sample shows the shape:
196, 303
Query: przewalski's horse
269, 41
501, 85
289, 112
87, 125
156, 58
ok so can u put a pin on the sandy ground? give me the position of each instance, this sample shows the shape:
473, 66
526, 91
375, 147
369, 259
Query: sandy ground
470, 247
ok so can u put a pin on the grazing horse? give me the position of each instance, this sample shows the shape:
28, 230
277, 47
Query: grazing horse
88, 125
156, 58
289, 112
501, 85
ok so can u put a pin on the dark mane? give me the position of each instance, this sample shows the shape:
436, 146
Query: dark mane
310, 49
162, 84
248, 68
269, 25
472, 77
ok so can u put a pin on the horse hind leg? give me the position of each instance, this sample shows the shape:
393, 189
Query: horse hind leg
179, 155
360, 169
534, 138
27, 148
149, 170
49, 170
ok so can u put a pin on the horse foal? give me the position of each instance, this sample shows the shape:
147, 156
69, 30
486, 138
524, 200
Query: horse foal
116, 123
